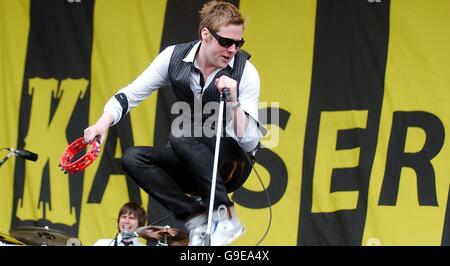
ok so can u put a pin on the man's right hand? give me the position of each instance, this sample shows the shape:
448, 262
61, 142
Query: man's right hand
99, 129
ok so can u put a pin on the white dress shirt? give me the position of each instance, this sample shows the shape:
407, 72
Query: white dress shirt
156, 76
117, 241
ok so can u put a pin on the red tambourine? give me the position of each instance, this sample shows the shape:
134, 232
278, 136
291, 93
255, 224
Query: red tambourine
75, 147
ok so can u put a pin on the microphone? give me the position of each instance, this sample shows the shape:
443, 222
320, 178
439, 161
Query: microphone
227, 93
129, 235
27, 155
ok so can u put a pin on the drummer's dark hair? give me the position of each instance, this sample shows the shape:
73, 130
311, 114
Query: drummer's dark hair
136, 210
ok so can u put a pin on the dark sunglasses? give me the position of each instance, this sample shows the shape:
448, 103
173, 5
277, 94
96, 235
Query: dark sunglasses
226, 42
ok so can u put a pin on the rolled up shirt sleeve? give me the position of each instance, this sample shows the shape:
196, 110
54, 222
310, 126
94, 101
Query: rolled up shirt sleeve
249, 90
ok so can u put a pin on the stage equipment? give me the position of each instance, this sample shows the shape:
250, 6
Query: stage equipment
38, 236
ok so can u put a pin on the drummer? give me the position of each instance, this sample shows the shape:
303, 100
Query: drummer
131, 216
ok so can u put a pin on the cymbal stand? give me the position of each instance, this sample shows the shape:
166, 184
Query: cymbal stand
164, 243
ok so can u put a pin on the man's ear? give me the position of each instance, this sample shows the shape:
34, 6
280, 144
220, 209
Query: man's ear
205, 34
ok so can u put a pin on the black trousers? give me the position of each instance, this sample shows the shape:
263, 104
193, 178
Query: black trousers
184, 167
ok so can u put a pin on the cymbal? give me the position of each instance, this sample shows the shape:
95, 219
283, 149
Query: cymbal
166, 234
38, 236
7, 239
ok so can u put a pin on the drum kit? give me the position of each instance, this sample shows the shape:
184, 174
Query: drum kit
44, 236
37, 236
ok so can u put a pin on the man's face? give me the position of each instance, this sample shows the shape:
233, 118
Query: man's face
128, 222
219, 55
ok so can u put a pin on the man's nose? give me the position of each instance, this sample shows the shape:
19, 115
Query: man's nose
232, 48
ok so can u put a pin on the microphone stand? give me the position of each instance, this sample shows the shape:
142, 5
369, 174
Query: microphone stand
11, 153
214, 174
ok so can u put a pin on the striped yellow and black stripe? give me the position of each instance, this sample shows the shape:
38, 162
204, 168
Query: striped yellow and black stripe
361, 88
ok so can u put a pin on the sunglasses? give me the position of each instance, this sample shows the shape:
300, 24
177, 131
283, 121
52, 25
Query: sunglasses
226, 42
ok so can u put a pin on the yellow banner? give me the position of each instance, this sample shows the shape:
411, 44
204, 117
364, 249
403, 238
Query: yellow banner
14, 24
405, 202
416, 80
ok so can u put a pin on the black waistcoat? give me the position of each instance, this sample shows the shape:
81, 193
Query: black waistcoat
179, 74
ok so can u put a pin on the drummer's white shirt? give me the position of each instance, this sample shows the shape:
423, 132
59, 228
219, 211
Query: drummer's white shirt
110, 242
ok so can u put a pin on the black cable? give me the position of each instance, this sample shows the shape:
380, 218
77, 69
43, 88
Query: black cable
268, 201
157, 221
270, 209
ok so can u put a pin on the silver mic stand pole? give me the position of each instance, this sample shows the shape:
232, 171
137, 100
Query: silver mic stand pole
216, 159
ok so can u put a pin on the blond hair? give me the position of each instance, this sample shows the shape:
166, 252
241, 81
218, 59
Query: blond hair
218, 13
